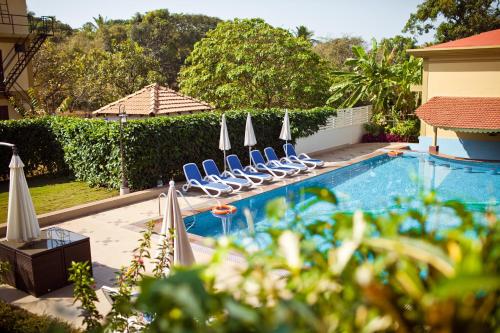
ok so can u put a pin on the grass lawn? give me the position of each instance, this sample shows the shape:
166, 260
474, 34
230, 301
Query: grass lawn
50, 194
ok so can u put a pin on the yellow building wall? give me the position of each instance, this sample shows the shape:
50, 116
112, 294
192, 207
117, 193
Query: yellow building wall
461, 78
18, 10
9, 35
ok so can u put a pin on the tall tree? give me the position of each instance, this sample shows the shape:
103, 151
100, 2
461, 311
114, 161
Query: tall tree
249, 63
338, 50
454, 19
170, 37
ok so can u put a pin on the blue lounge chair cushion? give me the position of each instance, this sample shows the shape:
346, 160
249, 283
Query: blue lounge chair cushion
211, 169
235, 164
290, 152
271, 156
192, 172
259, 159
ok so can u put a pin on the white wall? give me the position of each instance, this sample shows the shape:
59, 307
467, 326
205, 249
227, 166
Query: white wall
344, 129
330, 138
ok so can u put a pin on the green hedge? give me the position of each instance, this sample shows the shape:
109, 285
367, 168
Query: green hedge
40, 151
16, 320
156, 148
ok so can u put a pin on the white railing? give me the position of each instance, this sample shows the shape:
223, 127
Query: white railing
349, 117
343, 129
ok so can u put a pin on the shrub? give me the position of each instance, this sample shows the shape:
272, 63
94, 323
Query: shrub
38, 147
156, 148
344, 273
407, 129
402, 131
16, 320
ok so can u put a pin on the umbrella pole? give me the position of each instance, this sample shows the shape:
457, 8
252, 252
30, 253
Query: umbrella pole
250, 155
286, 150
224, 160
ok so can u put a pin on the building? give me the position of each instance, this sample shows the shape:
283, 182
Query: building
21, 36
154, 100
460, 111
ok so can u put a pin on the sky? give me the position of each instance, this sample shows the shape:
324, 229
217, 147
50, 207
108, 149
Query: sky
327, 18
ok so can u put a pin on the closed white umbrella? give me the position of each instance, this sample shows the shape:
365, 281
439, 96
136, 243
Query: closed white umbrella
224, 143
250, 139
183, 253
286, 134
22, 224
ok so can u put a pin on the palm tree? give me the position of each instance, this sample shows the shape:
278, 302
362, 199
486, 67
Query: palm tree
304, 32
379, 78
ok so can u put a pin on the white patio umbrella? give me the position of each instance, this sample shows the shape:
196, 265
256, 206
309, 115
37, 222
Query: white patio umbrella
22, 224
250, 139
183, 253
224, 143
286, 134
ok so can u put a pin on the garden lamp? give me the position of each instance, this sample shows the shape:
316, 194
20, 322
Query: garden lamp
122, 116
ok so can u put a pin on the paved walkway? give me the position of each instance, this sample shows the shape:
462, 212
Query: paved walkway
114, 234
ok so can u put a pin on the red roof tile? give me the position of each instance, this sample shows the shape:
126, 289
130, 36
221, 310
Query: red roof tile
489, 38
473, 113
155, 100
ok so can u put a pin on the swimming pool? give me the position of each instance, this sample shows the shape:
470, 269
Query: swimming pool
371, 186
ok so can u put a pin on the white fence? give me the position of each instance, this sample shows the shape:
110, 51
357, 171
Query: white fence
343, 129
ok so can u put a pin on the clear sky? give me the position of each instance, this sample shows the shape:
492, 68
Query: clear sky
327, 18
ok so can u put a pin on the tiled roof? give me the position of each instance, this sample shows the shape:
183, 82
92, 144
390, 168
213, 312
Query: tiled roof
155, 100
489, 38
473, 113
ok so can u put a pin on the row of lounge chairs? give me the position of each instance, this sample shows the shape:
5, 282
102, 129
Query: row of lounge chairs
216, 183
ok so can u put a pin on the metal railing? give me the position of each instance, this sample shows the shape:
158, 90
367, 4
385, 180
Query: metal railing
39, 25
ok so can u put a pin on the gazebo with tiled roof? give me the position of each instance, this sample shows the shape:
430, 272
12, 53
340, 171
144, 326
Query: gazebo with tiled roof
154, 100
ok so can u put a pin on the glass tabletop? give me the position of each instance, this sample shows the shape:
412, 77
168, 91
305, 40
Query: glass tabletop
50, 238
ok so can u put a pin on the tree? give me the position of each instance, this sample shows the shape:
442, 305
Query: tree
338, 50
454, 19
90, 76
381, 78
249, 63
169, 38
304, 32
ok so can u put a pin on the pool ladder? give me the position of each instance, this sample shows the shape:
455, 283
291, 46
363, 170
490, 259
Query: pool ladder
163, 194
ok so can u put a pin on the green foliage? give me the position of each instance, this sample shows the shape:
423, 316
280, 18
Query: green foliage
169, 38
122, 317
107, 59
405, 128
454, 19
127, 281
338, 50
303, 32
249, 63
373, 276
4, 269
17, 320
83, 291
379, 77
38, 147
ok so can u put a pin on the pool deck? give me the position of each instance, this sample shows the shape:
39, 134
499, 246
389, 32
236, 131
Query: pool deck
114, 234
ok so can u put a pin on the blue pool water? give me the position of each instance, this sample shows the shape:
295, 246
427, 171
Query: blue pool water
371, 186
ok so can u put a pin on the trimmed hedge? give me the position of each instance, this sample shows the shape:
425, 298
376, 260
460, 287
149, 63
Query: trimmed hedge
156, 148
38, 147
17, 320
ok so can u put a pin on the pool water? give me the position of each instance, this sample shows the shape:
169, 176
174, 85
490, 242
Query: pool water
370, 185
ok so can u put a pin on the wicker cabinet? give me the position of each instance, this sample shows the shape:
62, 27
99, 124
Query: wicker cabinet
41, 266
